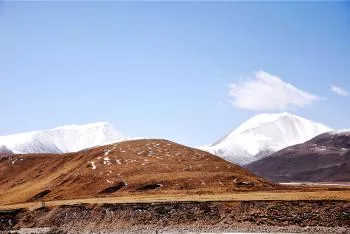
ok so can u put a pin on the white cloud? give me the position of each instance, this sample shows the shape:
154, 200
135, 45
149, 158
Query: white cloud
264, 91
339, 90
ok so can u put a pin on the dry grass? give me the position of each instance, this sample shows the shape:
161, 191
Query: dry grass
156, 198
136, 163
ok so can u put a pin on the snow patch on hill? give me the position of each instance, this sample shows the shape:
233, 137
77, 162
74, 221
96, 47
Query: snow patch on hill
264, 134
69, 138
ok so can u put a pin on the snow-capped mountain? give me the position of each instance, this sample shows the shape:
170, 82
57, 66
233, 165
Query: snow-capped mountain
264, 134
62, 139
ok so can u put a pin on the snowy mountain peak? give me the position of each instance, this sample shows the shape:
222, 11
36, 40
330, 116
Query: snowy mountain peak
263, 134
68, 138
274, 124
260, 119
89, 125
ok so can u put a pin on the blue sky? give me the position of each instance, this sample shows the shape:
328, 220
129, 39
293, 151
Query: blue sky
168, 70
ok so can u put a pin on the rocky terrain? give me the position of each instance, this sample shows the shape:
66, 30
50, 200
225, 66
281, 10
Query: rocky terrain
253, 216
325, 158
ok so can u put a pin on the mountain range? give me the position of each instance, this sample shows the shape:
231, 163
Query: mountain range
254, 139
281, 147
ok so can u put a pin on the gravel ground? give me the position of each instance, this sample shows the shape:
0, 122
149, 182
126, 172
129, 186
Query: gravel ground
189, 230
190, 217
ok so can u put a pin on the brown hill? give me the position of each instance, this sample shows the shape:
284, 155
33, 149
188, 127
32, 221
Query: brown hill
325, 158
130, 167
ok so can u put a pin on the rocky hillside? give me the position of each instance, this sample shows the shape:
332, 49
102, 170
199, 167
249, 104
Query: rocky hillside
325, 158
124, 168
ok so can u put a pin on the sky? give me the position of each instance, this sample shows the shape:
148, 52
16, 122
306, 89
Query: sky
185, 71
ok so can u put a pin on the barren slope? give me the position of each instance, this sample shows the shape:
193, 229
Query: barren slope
131, 167
325, 158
